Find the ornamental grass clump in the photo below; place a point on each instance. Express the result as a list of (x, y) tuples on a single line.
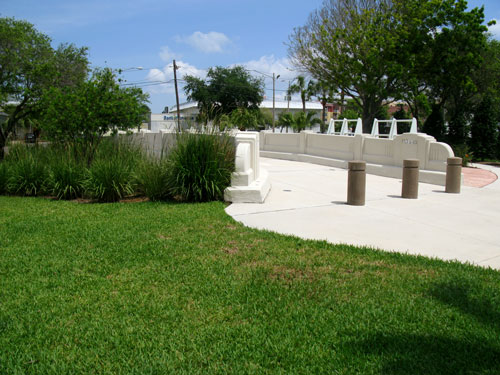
[(152, 179), (67, 170), (110, 176), (109, 180), (200, 166), (66, 179), (27, 176)]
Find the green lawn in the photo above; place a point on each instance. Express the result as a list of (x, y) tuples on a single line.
[(147, 288)]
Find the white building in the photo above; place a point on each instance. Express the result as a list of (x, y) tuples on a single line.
[(190, 110)]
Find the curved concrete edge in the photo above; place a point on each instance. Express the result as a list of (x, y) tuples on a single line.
[(256, 192), (425, 176), (308, 201)]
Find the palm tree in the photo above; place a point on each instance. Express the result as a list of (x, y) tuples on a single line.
[(303, 120), (306, 90), (285, 119)]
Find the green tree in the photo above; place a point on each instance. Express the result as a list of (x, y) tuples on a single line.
[(484, 128), (434, 124), (265, 117), (351, 44), (303, 120), (401, 113), (285, 120), (305, 89), (380, 49), (298, 121), (456, 55), (325, 94), (90, 110), (224, 90), (244, 118), (351, 110), (29, 66)]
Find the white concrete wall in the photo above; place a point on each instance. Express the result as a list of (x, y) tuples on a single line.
[(383, 156), (249, 183)]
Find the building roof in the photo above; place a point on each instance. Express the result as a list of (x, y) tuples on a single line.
[(294, 104), (279, 104)]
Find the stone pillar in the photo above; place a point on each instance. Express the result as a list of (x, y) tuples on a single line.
[(410, 179), (356, 183), (453, 175)]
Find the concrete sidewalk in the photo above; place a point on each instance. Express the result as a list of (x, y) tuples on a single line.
[(308, 201)]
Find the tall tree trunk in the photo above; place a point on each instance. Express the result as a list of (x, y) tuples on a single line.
[(370, 109), (5, 132)]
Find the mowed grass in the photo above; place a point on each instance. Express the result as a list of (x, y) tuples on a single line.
[(150, 288)]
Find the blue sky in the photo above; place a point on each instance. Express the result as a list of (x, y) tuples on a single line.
[(197, 33)]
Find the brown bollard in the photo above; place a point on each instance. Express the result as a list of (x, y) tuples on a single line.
[(356, 183), (454, 175), (410, 179)]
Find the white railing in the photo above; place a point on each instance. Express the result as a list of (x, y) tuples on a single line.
[(394, 127), (346, 130)]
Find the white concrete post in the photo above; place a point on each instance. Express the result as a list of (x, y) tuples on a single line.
[(375, 132), (394, 129), (359, 127), (331, 127), (345, 128), (414, 129)]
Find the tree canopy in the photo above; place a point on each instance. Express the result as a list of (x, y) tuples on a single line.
[(29, 65), (374, 50), (224, 90), (91, 109), (306, 89)]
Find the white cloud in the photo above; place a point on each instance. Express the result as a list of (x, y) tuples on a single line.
[(270, 65), (166, 54), (212, 42), (495, 29)]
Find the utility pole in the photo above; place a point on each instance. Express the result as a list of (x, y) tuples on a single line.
[(274, 81), (177, 99), (288, 98), (274, 97)]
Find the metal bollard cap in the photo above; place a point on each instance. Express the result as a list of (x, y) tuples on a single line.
[(411, 163), (454, 161), (357, 165)]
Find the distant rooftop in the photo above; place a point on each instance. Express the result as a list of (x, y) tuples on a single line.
[(279, 104)]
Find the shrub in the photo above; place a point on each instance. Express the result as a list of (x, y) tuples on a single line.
[(462, 151), (200, 166), (152, 179), (27, 176), (66, 179)]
